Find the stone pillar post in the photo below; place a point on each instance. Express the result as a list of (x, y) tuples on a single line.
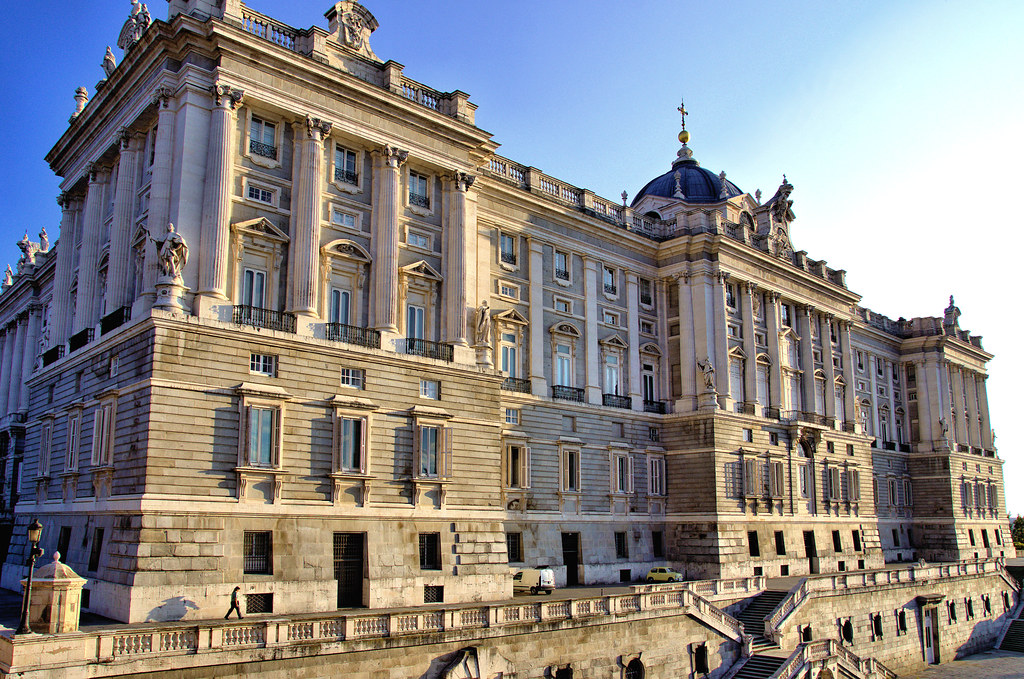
[(803, 320), (384, 286), (15, 381), (216, 229), (849, 375), (458, 259), (592, 353), (873, 365), (633, 337), (829, 367), (718, 335), (121, 226), (687, 351), (85, 300), (538, 338), (771, 315), (985, 424), (28, 360), (664, 378), (747, 292), (62, 301), (7, 381), (305, 243), (159, 189), (938, 392), (957, 405), (973, 425)]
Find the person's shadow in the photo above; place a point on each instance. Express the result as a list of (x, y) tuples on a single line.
[(172, 609)]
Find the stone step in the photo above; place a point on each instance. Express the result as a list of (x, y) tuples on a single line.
[(759, 667)]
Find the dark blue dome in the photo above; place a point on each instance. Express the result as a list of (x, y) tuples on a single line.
[(697, 184)]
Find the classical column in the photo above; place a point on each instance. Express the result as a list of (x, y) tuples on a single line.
[(15, 381), (28, 360), (457, 258), (633, 337), (830, 368), (958, 405), (718, 335), (121, 226), (771, 315), (873, 363), (687, 351), (849, 376), (938, 393), (216, 229), (159, 187), (972, 407), (747, 291), (538, 338), (85, 300), (803, 320), (62, 302), (305, 243), (985, 424), (593, 353), (664, 378), (8, 384), (384, 289)]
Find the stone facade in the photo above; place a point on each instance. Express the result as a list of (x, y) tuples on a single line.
[(376, 364)]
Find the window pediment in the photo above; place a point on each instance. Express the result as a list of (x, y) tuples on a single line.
[(565, 329), (262, 391), (426, 412), (348, 249), (736, 352), (260, 227), (422, 270), (511, 316), (613, 342), (344, 401), (650, 348)]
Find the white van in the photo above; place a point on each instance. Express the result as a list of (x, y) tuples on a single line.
[(534, 580)]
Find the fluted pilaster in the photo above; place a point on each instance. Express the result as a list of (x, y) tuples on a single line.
[(15, 380), (747, 292), (771, 311), (804, 319), (62, 301), (159, 185), (593, 351), (458, 226), (829, 366), (85, 300), (121, 226), (28, 359), (384, 292), (538, 338), (846, 350), (687, 350), (633, 337), (7, 383), (305, 244), (719, 339)]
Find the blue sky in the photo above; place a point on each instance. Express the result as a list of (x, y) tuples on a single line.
[(898, 123)]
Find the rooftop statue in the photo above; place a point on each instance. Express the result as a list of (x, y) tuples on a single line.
[(109, 63), (951, 316), (136, 24), (28, 253)]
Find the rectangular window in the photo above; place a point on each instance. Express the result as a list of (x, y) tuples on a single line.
[(753, 544), (893, 499), (45, 447), (96, 550), (561, 265), (74, 435), (622, 471), (257, 552), (853, 479), (434, 444), (563, 306), (64, 543), (646, 296), (646, 327), (418, 240), (261, 194), (610, 318), (509, 355), (507, 248), (345, 166), (856, 540), (414, 322), (262, 436), (784, 308), (261, 132), (730, 295), (896, 538), (837, 542), (805, 481), (514, 544), (609, 281), (833, 484), (571, 470), (263, 364), (418, 195), (621, 545), (517, 466), (611, 374), (343, 219), (506, 289), (658, 544), (430, 389), (103, 434), (353, 378), (253, 288), (563, 365), (351, 451), (780, 543), (430, 551), (777, 479), (648, 385), (340, 308), (656, 475), (970, 536), (511, 416)]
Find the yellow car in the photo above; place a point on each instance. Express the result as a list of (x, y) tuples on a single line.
[(664, 575)]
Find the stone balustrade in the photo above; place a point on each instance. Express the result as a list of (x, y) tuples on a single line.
[(806, 655)]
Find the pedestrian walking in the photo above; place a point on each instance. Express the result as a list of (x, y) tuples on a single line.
[(234, 604)]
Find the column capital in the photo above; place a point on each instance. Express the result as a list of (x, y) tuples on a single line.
[(124, 138), (226, 96), (162, 97), (828, 316), (393, 156), (807, 309), (722, 277), (317, 129), (772, 297), (749, 287), (64, 200), (463, 180), (92, 171)]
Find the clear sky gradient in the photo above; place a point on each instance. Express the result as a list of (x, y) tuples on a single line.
[(898, 123)]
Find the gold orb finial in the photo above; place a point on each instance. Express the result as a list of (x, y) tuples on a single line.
[(684, 136)]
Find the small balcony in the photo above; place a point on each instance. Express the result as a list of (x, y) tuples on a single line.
[(904, 447), (419, 200), (260, 149), (654, 407), (428, 349), (616, 401), (115, 319), (350, 334), (259, 317), (574, 394), (53, 354), (517, 384), (508, 258), (346, 176), (645, 298), (889, 445), (611, 289), (80, 339), (562, 274)]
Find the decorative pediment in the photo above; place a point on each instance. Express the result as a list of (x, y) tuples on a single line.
[(422, 270), (613, 342), (736, 352), (819, 374), (789, 333), (260, 227), (348, 249), (764, 358), (565, 329), (840, 382), (650, 348), (511, 316)]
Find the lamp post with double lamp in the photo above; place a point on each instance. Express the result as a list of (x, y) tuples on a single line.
[(35, 530)]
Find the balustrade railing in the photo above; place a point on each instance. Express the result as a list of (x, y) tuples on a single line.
[(80, 339), (115, 319), (574, 394), (351, 334), (428, 349), (264, 27), (616, 401), (518, 384), (421, 94), (259, 317)]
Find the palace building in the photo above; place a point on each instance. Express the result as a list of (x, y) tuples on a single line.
[(373, 363)]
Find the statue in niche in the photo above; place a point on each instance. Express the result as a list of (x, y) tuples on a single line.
[(109, 63), (483, 324), (171, 253), (708, 371)]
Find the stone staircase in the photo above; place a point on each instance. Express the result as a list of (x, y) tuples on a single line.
[(759, 667), (753, 616), (1014, 638)]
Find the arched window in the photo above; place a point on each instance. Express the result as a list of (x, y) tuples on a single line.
[(634, 670)]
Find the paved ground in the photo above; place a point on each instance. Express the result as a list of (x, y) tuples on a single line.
[(987, 665)]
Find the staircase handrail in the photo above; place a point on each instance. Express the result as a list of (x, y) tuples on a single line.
[(714, 617), (796, 596), (822, 649)]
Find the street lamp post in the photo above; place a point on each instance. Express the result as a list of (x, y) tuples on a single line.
[(35, 530)]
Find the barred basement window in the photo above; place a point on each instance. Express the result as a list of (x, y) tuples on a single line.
[(621, 545), (430, 551), (262, 602), (257, 552), (433, 594), (514, 544)]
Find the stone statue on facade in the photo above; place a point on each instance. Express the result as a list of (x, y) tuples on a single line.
[(44, 241), (951, 316), (136, 24), (28, 253), (483, 324), (8, 277), (172, 253), (708, 372), (782, 204), (109, 63), (944, 426)]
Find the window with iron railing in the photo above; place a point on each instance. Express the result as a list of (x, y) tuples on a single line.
[(262, 138), (418, 190), (257, 552), (345, 166)]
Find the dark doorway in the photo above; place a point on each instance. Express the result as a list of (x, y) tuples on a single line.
[(811, 550), (348, 568), (571, 558)]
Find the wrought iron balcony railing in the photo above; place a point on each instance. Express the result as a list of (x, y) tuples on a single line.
[(567, 393), (260, 149), (80, 339), (616, 401), (346, 176), (508, 258), (521, 385), (115, 319), (904, 447), (610, 289), (419, 200), (259, 317), (351, 334), (654, 407), (562, 274), (428, 349), (645, 298), (889, 445), (53, 354)]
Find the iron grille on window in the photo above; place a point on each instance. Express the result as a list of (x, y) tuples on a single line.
[(567, 393), (347, 176), (257, 552), (518, 384), (115, 319), (350, 334), (508, 257), (645, 298), (262, 602), (610, 288), (433, 594), (430, 551), (514, 542), (428, 349), (260, 149), (562, 274), (258, 317), (419, 200)]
